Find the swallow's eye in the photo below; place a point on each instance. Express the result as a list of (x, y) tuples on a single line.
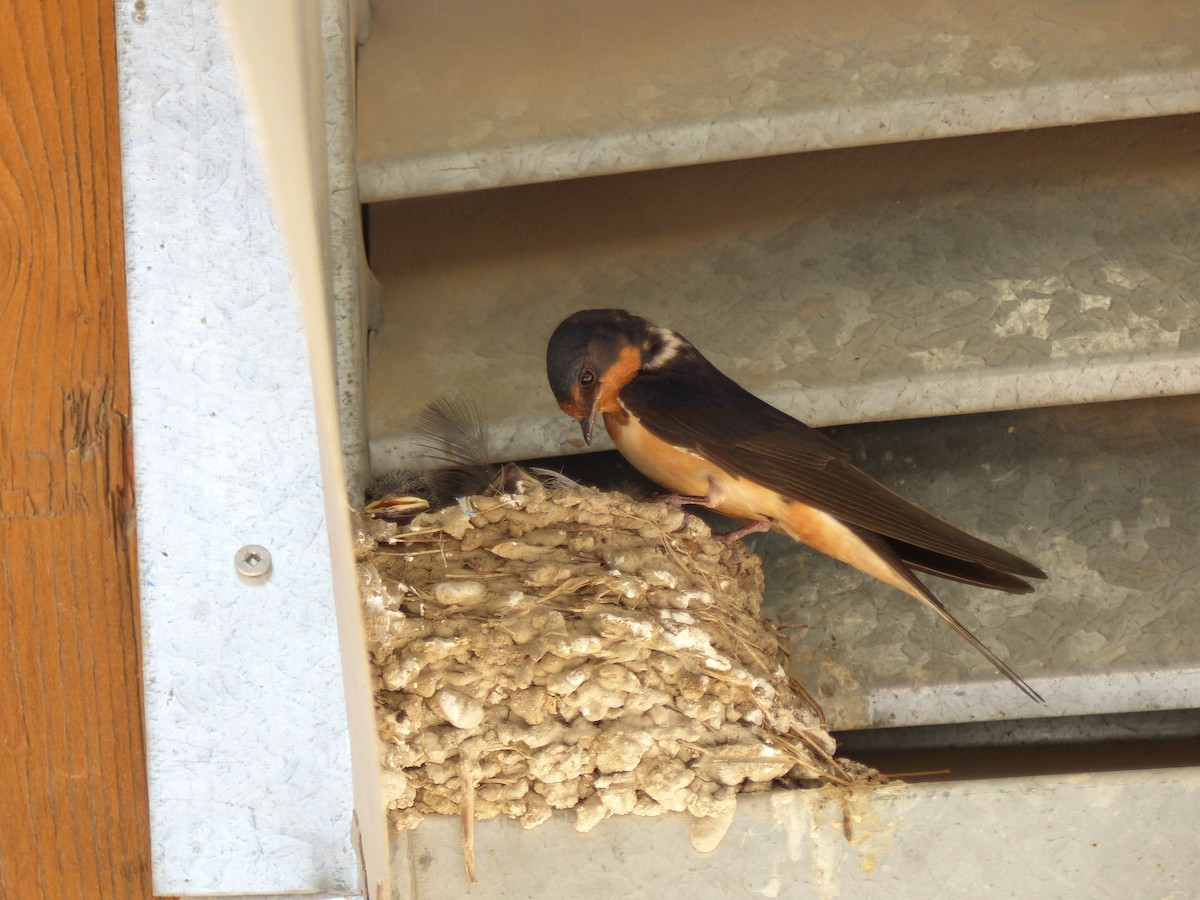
[(587, 376)]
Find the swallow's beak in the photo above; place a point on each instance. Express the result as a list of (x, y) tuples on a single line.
[(397, 506), (588, 423)]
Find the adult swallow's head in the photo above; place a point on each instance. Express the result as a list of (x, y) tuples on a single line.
[(596, 352)]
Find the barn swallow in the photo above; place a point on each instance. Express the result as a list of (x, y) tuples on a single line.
[(693, 430)]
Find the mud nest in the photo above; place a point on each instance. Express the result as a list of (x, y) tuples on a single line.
[(573, 649)]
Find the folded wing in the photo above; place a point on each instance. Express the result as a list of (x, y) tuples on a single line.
[(751, 438)]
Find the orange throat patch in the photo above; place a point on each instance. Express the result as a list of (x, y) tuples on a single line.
[(628, 364)]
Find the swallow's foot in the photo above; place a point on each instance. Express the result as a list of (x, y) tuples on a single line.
[(730, 538), (679, 501)]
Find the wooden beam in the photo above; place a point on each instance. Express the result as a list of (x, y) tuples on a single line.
[(72, 751)]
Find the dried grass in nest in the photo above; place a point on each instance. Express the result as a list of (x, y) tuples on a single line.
[(572, 649)]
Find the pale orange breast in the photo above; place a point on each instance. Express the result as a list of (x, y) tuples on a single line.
[(690, 474), (674, 469)]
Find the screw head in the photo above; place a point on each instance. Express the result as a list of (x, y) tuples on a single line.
[(252, 561)]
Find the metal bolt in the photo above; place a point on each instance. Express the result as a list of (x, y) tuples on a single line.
[(252, 561)]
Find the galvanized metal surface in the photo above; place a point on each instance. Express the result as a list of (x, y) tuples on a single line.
[(352, 281), (249, 760), (1116, 835), (1105, 497), (942, 277), (459, 96)]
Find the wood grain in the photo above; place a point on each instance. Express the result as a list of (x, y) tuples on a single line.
[(72, 758)]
